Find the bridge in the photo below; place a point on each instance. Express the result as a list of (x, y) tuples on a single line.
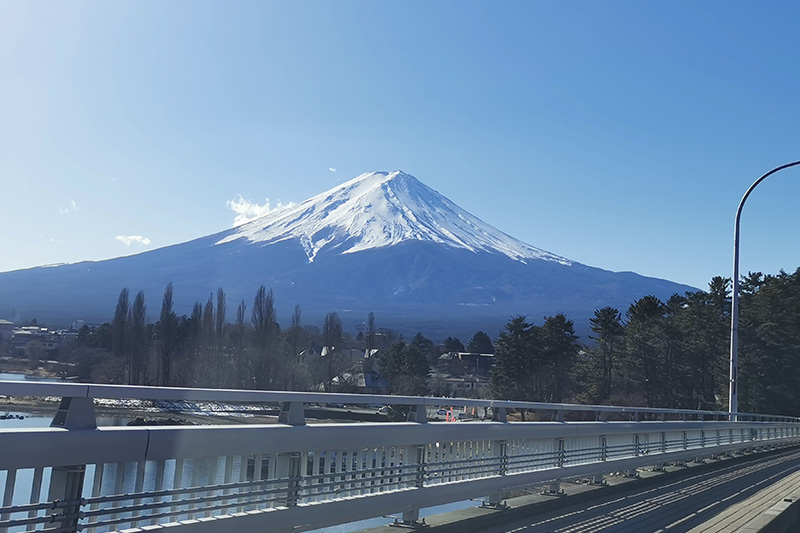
[(294, 475)]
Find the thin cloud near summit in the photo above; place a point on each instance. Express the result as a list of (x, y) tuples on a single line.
[(127, 240), (247, 210)]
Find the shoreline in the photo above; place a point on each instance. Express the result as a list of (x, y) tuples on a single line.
[(41, 407)]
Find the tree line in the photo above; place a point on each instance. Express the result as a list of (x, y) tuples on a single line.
[(204, 349), (672, 354), (655, 353)]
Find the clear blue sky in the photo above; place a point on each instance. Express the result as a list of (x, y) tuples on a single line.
[(619, 134)]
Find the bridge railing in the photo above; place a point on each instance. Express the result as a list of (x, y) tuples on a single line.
[(294, 476)]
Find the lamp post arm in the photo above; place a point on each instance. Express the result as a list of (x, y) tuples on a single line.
[(733, 396)]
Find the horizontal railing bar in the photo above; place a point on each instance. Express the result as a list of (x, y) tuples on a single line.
[(399, 477), (188, 501), (26, 521), (461, 471), (36, 507), (21, 388), (371, 470), (189, 490), (464, 461), (156, 516)]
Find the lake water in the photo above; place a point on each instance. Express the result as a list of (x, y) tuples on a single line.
[(40, 420)]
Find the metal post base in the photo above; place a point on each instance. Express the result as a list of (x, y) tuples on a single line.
[(497, 506), (413, 524), (553, 489)]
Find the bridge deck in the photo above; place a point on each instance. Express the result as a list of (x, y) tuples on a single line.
[(729, 496)]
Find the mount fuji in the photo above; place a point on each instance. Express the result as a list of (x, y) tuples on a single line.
[(382, 242)]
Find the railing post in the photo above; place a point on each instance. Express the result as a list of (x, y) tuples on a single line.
[(662, 446), (66, 488), (75, 413), (418, 413), (634, 472), (292, 413), (411, 516), (287, 466), (598, 479), (554, 488), (561, 455), (66, 482), (500, 454)]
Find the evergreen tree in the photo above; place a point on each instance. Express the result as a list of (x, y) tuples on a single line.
[(769, 343), (194, 353), (208, 330), (137, 369), (167, 336), (452, 344), (425, 346), (265, 332), (559, 347), (608, 334), (512, 376), (243, 368), (480, 343), (645, 381), (219, 319), (406, 368), (296, 331), (119, 326), (370, 334), (332, 341)]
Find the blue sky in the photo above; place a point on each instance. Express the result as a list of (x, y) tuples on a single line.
[(619, 134)]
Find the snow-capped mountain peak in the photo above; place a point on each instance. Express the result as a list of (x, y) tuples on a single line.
[(380, 209)]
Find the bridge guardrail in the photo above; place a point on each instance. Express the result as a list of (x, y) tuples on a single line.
[(297, 476)]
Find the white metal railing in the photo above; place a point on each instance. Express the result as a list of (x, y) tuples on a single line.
[(293, 476)]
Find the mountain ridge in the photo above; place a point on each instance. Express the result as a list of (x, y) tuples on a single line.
[(353, 249)]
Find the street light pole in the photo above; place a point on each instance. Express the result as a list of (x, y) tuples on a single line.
[(733, 396)]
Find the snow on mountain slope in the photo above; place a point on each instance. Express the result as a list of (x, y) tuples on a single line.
[(382, 209)]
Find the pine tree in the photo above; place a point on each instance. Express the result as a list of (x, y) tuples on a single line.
[(119, 326), (167, 336), (480, 343), (608, 334), (559, 348), (265, 331), (645, 353), (452, 344), (370, 335), (219, 321), (137, 369), (512, 376), (406, 368)]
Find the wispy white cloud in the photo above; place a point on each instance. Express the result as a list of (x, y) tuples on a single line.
[(247, 210), (51, 240), (332, 169), (127, 240), (71, 208)]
